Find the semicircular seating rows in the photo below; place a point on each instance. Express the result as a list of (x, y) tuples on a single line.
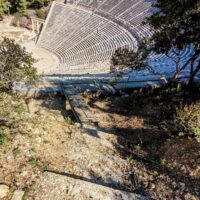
[(84, 34)]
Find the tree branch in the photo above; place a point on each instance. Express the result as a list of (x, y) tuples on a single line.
[(156, 73)]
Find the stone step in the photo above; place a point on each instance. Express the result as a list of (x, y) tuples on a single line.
[(77, 102), (4, 190), (18, 195), (54, 186), (80, 108), (92, 87)]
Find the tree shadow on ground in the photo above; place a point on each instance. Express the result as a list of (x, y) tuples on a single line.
[(94, 179), (154, 108), (150, 158)]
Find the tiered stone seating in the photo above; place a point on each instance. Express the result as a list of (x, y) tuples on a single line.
[(127, 12), (84, 34), (81, 38)]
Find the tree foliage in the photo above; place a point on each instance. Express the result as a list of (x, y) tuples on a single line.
[(15, 64), (133, 59), (176, 26), (38, 4), (21, 6), (136, 59), (4, 7), (40, 13)]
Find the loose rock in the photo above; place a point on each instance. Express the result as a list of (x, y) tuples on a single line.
[(18, 195), (4, 189)]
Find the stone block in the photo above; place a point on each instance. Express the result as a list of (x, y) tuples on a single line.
[(18, 195), (4, 189)]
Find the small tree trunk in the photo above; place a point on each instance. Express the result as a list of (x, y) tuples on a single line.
[(192, 68), (174, 77), (160, 76), (193, 74)]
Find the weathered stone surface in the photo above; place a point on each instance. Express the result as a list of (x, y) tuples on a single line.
[(4, 189), (54, 186), (80, 108), (18, 195)]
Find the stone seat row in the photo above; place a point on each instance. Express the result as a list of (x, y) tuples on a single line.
[(94, 38)]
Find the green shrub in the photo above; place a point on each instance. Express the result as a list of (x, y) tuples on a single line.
[(40, 14), (19, 66), (37, 4), (4, 7), (187, 119), (68, 120), (3, 138), (12, 107), (22, 7)]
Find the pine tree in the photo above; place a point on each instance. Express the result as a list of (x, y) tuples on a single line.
[(21, 7), (176, 24), (4, 7), (38, 4)]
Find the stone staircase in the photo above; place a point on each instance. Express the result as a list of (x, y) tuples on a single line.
[(78, 103)]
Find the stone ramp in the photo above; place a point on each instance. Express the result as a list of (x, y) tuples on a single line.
[(81, 109), (60, 187), (78, 104)]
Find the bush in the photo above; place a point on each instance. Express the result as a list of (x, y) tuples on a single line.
[(187, 119), (4, 7), (12, 108), (37, 4), (40, 14), (19, 66), (3, 138)]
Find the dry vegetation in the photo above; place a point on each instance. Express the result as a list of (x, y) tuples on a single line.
[(32, 142)]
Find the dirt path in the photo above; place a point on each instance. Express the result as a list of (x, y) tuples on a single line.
[(93, 170)]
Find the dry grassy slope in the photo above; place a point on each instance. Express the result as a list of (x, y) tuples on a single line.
[(49, 142), (163, 166), (34, 144)]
